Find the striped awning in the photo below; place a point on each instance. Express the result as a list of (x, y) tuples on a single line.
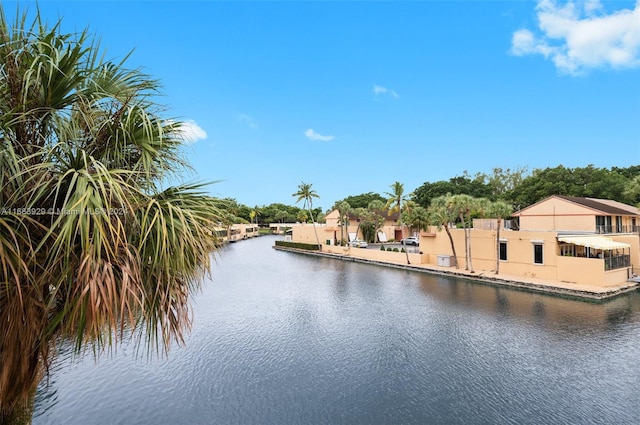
[(596, 242)]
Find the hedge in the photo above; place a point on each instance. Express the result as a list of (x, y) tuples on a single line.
[(298, 245)]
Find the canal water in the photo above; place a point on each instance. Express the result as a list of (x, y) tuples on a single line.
[(283, 338)]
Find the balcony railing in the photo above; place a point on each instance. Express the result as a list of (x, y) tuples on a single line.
[(617, 262), (602, 229)]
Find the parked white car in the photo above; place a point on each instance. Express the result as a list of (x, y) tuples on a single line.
[(357, 243), (411, 240)]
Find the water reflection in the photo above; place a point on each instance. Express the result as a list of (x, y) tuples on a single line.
[(524, 305), (281, 338)]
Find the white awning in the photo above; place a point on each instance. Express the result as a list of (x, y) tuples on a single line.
[(597, 242)]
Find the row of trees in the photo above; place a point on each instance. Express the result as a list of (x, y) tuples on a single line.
[(264, 215), (515, 187), (521, 188), (442, 212)]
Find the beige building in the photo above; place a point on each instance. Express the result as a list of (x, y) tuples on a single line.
[(562, 240), (390, 230), (236, 232)]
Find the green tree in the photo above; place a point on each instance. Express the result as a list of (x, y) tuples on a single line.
[(306, 194), (279, 213), (395, 203), (280, 216), (302, 216), (363, 200), (344, 209), (632, 190), (360, 214), (254, 214), (586, 181), (93, 245), (503, 180), (465, 184), (376, 207), (417, 218)]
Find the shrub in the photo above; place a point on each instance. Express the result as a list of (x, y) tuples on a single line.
[(382, 248), (389, 249), (396, 250), (402, 250), (307, 246)]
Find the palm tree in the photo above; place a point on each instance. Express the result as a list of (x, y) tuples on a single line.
[(418, 218), (360, 214), (499, 210), (441, 213), (343, 213), (376, 206), (463, 205), (280, 216), (306, 193), (254, 214), (93, 245), (395, 203), (481, 206)]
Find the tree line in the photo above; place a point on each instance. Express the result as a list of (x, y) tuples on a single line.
[(518, 188), (521, 188)]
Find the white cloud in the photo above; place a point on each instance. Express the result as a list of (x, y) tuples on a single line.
[(312, 135), (383, 90), (246, 119), (192, 132), (578, 38)]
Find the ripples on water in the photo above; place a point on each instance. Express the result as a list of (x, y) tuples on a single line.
[(282, 338)]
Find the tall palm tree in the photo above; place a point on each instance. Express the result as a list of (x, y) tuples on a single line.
[(499, 210), (417, 218), (93, 245), (463, 204), (376, 206), (344, 209), (306, 193), (360, 214), (442, 214), (395, 203), (254, 214)]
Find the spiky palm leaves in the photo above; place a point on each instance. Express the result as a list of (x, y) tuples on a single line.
[(306, 193), (395, 203), (90, 245)]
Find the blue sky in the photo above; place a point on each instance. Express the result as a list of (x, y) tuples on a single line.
[(352, 96)]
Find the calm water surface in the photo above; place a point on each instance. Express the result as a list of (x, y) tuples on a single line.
[(282, 338)]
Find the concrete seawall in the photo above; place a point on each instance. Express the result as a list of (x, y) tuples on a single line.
[(585, 292)]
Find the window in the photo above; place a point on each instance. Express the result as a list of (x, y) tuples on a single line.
[(603, 224), (568, 250), (537, 253), (503, 251)]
